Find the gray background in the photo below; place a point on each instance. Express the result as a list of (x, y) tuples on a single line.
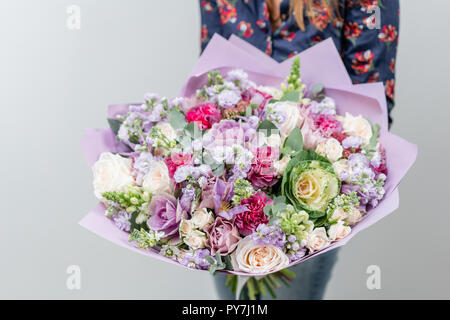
[(56, 82)]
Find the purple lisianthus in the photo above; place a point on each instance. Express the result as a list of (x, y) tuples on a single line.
[(227, 133), (163, 214), (222, 194)]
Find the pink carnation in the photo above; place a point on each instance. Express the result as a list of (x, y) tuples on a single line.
[(204, 115), (248, 221), (177, 160), (327, 124), (262, 173)]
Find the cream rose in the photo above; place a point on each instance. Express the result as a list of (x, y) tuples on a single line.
[(202, 218), (186, 227), (112, 172), (357, 126), (157, 179), (338, 214), (338, 231), (167, 130), (195, 239), (281, 165), (353, 217), (331, 149), (341, 166), (317, 240), (293, 117), (252, 257), (274, 140)]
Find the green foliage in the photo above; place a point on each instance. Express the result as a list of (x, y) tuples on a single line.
[(293, 143), (145, 239), (177, 119), (216, 264), (262, 286), (130, 200), (242, 190), (114, 124)]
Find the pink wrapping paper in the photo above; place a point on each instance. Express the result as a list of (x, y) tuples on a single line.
[(321, 63)]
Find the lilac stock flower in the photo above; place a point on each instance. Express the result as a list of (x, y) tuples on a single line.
[(238, 76), (122, 220), (163, 214), (196, 259), (351, 142), (188, 195), (141, 165), (222, 194), (228, 98), (327, 106), (184, 172), (227, 133), (269, 235)]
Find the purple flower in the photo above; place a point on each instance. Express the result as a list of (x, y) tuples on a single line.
[(163, 214), (196, 259), (188, 195), (222, 194), (228, 98), (271, 235), (351, 142), (122, 220), (227, 133)]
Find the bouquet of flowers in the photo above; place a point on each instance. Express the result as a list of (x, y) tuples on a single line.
[(246, 172)]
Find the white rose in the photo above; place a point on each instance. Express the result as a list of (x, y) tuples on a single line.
[(293, 117), (341, 166), (274, 92), (167, 130), (195, 239), (157, 179), (186, 227), (253, 257), (112, 172), (317, 240), (357, 126), (281, 165), (338, 214), (353, 217), (202, 218), (338, 231), (331, 149)]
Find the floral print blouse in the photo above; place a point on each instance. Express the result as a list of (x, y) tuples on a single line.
[(368, 47)]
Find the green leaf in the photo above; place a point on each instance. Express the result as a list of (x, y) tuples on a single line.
[(294, 142), (193, 130), (219, 170), (267, 125), (375, 134), (317, 89), (293, 96), (177, 119), (114, 124)]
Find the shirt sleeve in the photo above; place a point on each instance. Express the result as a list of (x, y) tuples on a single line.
[(210, 20), (370, 41)]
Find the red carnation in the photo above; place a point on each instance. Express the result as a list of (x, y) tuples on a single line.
[(204, 115), (248, 221)]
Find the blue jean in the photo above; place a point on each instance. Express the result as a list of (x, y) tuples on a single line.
[(309, 284)]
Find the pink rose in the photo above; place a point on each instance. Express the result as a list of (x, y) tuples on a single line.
[(262, 173), (223, 237), (204, 115), (311, 134)]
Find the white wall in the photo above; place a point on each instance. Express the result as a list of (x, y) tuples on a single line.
[(55, 82)]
